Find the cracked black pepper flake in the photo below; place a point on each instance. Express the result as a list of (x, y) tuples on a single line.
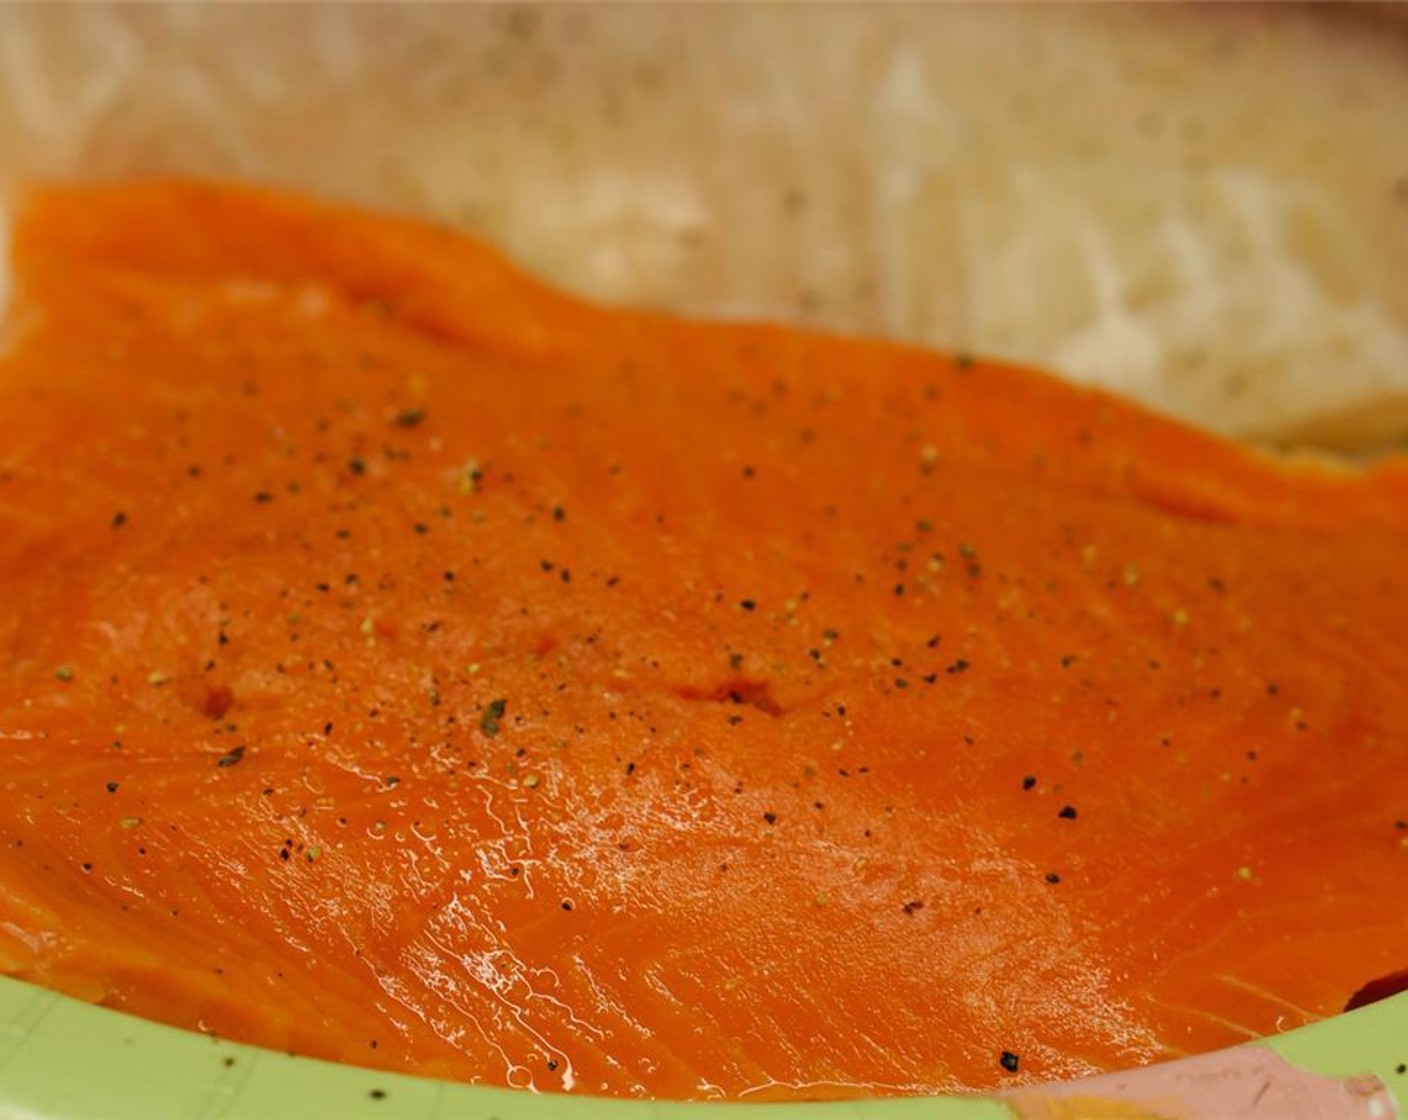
[(263, 497), (225, 761), (1029, 782), (913, 906), (377, 1094), (489, 721), (1052, 878), (119, 519), (748, 604), (771, 818), (409, 417), (1009, 1061), (959, 666), (112, 787), (1067, 813)]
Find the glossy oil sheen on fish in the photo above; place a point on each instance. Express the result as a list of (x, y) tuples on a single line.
[(404, 664)]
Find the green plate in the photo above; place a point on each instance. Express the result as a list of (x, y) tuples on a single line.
[(61, 1059)]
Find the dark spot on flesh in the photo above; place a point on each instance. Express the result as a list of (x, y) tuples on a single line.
[(218, 701)]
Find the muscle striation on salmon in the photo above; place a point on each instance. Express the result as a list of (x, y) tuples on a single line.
[(404, 664)]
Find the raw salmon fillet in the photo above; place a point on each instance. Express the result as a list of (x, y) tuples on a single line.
[(403, 664)]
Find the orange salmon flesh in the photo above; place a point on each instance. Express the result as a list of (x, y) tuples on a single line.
[(404, 664)]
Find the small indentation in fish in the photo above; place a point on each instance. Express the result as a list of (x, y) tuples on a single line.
[(739, 690)]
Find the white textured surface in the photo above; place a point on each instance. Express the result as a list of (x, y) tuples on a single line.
[(1203, 208)]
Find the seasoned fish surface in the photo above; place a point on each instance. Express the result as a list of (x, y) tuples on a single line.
[(407, 665)]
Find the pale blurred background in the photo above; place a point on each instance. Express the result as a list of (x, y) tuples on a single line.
[(1205, 208)]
